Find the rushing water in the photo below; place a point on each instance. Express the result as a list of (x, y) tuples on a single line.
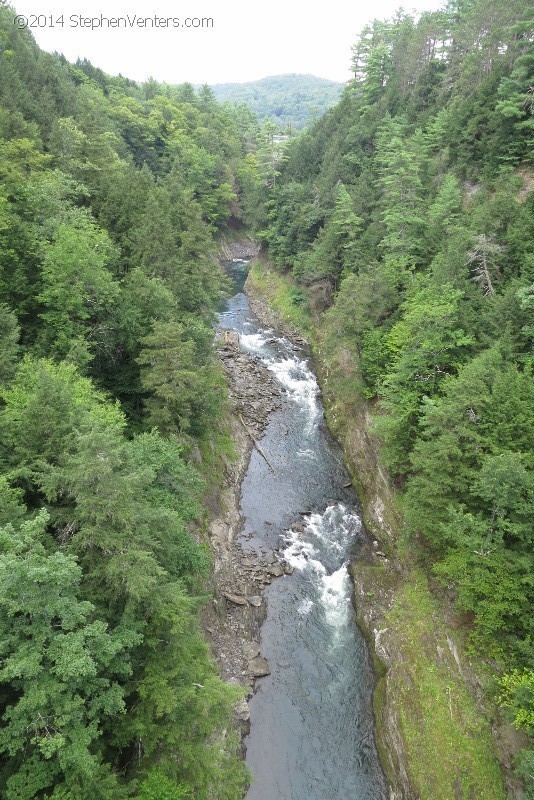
[(311, 735)]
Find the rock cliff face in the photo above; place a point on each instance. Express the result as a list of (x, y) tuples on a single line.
[(244, 249), (375, 581)]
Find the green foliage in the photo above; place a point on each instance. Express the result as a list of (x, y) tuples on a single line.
[(78, 289), (406, 215), (375, 357), (185, 388), (335, 249), (9, 336), (515, 89), (157, 787), (524, 764), (122, 508), (111, 196), (424, 345), (61, 671), (401, 164), (365, 300), (517, 694), (436, 711), (289, 101), (11, 506)]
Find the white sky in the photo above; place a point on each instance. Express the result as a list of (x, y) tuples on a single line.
[(248, 40)]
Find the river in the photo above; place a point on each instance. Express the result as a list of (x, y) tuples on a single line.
[(311, 734)]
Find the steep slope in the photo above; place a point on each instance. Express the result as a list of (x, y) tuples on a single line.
[(403, 221), (112, 417)]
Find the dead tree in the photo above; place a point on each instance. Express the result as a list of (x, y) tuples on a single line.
[(483, 260)]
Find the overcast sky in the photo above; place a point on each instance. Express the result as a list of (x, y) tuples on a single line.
[(248, 40)]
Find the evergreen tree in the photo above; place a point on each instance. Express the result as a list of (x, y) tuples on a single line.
[(61, 673)]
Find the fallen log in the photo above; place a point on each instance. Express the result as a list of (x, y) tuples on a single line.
[(256, 443)]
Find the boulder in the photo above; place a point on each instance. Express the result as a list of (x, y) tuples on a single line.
[(255, 600), (242, 711), (237, 599), (231, 338), (259, 667), (251, 650), (276, 570)]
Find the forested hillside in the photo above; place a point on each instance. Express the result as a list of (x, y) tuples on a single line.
[(111, 195), (406, 217), (403, 220), (290, 101)]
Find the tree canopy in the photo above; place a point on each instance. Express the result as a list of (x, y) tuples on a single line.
[(112, 195), (406, 213)]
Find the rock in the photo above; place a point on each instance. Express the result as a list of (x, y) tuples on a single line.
[(288, 569), (242, 711), (255, 600), (251, 650), (231, 338), (237, 599), (259, 667), (298, 527), (270, 558), (276, 570), (283, 664), (347, 485), (242, 250)]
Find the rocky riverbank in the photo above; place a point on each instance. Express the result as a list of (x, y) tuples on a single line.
[(233, 619)]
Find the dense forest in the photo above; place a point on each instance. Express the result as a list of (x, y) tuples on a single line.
[(112, 195), (404, 218), (292, 102)]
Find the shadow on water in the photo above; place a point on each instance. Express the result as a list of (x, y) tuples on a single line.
[(311, 735)]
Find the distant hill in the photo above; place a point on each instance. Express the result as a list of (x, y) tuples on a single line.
[(287, 100)]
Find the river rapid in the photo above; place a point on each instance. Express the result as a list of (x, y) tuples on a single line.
[(311, 722)]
